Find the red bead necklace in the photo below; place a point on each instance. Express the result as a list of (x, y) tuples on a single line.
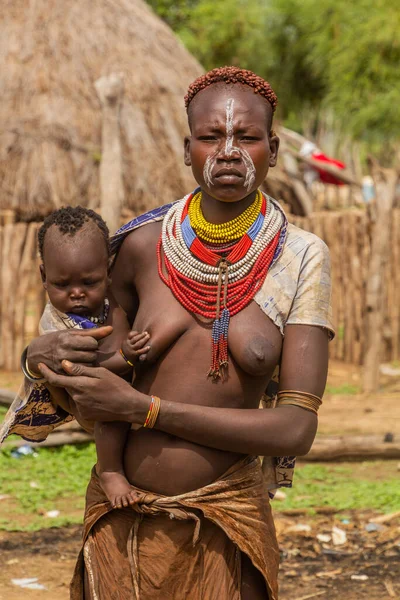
[(225, 299)]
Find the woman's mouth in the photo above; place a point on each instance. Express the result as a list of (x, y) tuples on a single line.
[(228, 176)]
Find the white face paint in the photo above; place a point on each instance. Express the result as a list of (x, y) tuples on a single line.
[(208, 168), (229, 150), (229, 127)]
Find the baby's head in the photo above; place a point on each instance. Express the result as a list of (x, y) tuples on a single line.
[(75, 251)]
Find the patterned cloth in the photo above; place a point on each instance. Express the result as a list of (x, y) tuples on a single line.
[(32, 414)]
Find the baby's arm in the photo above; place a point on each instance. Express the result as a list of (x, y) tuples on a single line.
[(132, 343)]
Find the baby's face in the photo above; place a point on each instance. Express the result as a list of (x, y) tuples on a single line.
[(75, 273)]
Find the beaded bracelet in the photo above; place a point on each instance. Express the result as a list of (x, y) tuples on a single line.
[(154, 410), (32, 377), (126, 359)]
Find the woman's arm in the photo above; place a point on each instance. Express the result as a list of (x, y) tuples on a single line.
[(286, 430), (289, 430)]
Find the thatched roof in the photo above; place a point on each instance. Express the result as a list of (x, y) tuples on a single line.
[(51, 54)]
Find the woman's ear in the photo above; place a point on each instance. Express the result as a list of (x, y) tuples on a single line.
[(43, 276), (274, 148), (186, 149)]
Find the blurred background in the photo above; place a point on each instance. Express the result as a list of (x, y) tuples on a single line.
[(92, 113)]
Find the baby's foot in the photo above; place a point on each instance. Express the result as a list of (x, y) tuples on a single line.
[(118, 489)]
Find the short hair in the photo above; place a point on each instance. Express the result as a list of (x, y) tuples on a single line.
[(231, 75), (70, 220)]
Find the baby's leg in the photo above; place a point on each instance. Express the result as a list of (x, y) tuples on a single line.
[(110, 443)]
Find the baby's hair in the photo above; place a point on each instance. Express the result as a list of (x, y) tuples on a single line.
[(230, 75), (70, 220)]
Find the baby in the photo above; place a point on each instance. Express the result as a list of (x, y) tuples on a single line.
[(75, 270)]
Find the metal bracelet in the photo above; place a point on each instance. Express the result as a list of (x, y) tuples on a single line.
[(25, 369)]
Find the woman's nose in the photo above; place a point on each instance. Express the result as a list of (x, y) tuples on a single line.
[(229, 153)]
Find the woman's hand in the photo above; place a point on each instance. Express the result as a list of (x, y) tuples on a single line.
[(76, 345), (99, 395)]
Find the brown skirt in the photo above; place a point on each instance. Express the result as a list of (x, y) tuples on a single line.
[(180, 547)]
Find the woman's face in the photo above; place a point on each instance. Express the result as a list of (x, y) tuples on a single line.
[(230, 148)]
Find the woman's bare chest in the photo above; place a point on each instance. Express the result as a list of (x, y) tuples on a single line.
[(254, 342)]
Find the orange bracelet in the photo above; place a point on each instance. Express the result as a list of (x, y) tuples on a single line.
[(153, 412)]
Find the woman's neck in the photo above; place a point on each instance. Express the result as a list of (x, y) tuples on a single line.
[(217, 211)]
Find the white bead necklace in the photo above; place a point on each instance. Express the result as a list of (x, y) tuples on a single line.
[(179, 255)]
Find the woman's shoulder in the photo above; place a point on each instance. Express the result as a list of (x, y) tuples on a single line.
[(146, 223), (300, 240)]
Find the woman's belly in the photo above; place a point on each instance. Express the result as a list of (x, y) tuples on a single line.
[(157, 462)]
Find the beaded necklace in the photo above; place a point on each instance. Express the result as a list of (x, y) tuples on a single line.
[(102, 318), (224, 232), (214, 286)]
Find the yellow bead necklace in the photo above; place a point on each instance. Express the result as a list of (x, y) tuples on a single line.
[(224, 232)]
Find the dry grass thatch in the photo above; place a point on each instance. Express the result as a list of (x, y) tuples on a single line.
[(51, 54)]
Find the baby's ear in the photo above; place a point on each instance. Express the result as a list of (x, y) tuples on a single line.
[(43, 276)]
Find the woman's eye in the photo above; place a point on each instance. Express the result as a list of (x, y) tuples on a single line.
[(208, 138), (248, 138)]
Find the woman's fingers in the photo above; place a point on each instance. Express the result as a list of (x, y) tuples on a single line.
[(76, 356), (82, 370), (98, 333), (54, 378)]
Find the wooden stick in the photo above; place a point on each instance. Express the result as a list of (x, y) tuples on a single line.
[(59, 439), (26, 266), (6, 397), (341, 174), (386, 182), (2, 307), (331, 448), (386, 518), (389, 588), (313, 595)]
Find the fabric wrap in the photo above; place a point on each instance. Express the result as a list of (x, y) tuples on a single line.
[(185, 546), (32, 414)]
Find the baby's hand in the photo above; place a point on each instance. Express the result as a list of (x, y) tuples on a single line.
[(135, 346)]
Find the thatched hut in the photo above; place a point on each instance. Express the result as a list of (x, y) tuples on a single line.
[(51, 54)]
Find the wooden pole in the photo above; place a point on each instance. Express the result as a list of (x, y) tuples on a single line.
[(2, 308), (110, 90), (292, 170), (385, 184), (27, 265), (341, 174), (353, 447)]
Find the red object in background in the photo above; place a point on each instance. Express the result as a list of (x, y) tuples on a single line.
[(323, 175)]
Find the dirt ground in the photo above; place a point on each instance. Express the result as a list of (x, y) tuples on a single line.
[(366, 565)]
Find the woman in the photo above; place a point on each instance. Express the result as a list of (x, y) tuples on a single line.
[(219, 274)]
